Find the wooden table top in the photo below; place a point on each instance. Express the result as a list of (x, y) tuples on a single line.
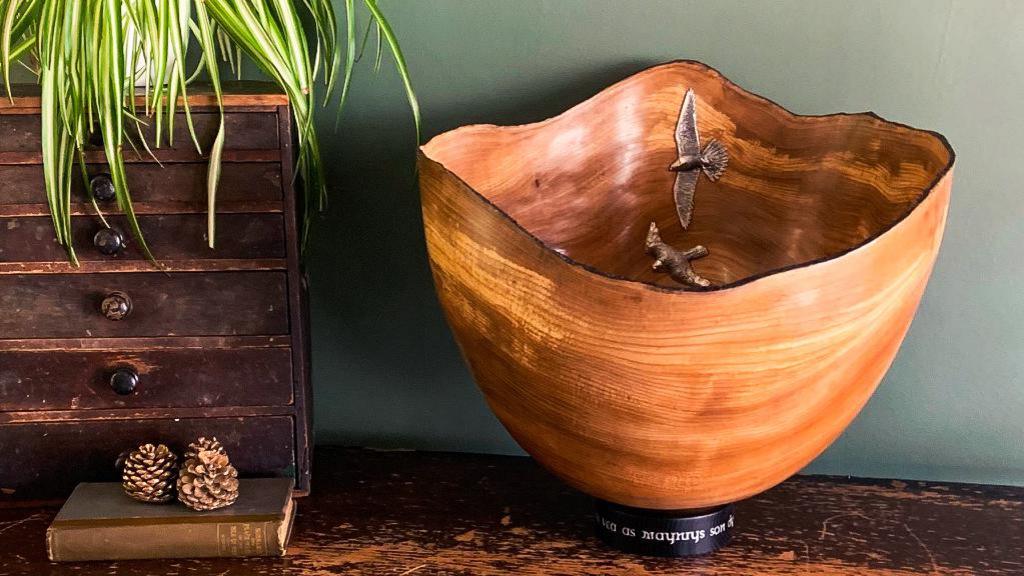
[(414, 513)]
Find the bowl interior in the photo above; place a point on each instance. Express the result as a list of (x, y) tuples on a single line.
[(798, 189)]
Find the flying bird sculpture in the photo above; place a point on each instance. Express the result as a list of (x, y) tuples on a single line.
[(712, 160), (691, 161)]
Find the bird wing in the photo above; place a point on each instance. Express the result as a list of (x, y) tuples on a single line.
[(685, 184), (687, 140)]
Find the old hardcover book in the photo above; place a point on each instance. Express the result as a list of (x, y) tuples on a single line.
[(99, 522)]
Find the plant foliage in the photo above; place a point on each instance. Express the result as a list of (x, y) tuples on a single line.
[(88, 56)]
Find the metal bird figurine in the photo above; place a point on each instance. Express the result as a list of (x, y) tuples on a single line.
[(676, 263), (688, 166), (692, 160)]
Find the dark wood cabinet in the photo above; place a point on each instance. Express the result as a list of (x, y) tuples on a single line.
[(45, 459), (118, 351), (247, 129), (162, 304), (175, 236)]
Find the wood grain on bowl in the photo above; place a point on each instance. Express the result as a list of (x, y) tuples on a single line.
[(822, 235)]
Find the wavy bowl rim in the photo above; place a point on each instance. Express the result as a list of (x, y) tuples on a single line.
[(943, 173)]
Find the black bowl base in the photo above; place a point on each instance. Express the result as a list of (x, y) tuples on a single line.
[(673, 533)]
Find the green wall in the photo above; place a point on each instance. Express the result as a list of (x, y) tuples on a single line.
[(386, 370)]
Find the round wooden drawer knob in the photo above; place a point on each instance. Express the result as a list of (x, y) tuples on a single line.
[(109, 241), (102, 188), (124, 381), (116, 306)]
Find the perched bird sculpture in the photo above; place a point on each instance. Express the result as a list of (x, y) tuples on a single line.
[(690, 163), (675, 262), (712, 160)]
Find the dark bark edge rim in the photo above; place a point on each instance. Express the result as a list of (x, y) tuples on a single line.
[(746, 279)]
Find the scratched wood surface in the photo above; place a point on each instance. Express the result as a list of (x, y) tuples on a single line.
[(243, 131), (173, 237), (404, 513), (151, 185), (164, 304), (184, 377), (86, 448), (238, 95)]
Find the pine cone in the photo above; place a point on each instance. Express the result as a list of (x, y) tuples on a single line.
[(207, 481), (201, 444), (149, 473)]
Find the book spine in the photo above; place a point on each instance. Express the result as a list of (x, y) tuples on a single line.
[(195, 540)]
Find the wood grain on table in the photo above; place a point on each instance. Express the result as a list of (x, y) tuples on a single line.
[(404, 513)]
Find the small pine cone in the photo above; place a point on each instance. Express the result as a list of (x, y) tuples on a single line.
[(201, 444), (208, 481), (149, 473)]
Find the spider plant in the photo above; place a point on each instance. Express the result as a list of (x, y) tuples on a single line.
[(88, 56)]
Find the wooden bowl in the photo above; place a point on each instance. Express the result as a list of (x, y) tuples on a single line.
[(636, 390)]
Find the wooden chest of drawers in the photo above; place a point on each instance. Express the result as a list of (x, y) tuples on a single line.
[(216, 341)]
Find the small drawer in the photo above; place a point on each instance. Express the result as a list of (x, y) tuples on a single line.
[(47, 459), (169, 184), (170, 237), (65, 380), (147, 304), (243, 131)]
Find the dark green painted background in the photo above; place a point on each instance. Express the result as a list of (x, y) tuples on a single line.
[(386, 370)]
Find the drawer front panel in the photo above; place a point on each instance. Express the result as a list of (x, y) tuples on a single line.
[(59, 380), (162, 304), (168, 184), (243, 131), (171, 237), (48, 459)]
